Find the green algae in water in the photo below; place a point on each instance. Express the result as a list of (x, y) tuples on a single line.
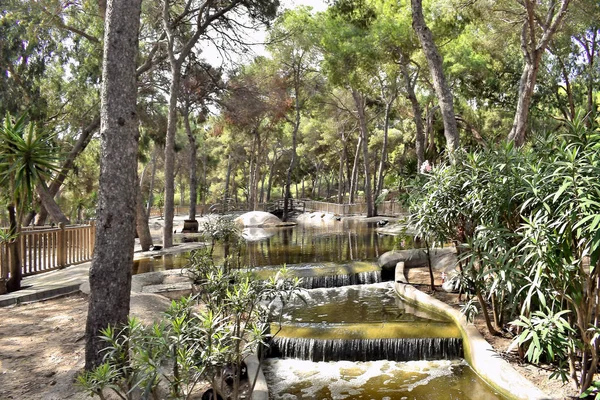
[(422, 380), (354, 304), (387, 330)]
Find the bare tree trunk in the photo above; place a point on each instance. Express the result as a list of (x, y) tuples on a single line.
[(169, 212), (110, 273), (435, 62), (360, 108), (533, 49), (14, 282), (341, 171), (354, 177), (141, 221), (417, 112), (204, 190), (383, 159), (84, 139), (193, 163), (227, 178), (290, 170), (50, 205), (526, 86), (151, 189)]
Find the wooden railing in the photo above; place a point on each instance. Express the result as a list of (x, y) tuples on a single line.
[(45, 249), (387, 208)]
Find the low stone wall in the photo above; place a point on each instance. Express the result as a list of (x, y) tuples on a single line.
[(477, 351)]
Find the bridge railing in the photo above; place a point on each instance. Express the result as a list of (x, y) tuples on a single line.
[(388, 208), (44, 249)]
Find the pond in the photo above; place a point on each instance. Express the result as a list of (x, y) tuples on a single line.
[(348, 342), (333, 242)]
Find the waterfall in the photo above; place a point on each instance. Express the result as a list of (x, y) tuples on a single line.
[(330, 281), (366, 349)]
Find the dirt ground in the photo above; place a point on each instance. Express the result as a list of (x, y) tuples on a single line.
[(42, 350)]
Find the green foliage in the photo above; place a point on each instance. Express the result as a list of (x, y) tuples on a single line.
[(526, 223), (560, 236), (27, 156), (545, 334), (193, 343)]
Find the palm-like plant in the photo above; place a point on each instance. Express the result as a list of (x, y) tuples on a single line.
[(27, 158)]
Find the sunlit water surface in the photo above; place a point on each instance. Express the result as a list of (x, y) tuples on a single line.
[(420, 380)]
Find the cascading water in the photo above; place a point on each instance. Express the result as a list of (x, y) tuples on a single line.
[(402, 349), (332, 281)]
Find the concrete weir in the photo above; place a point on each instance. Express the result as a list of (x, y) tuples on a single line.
[(477, 351)]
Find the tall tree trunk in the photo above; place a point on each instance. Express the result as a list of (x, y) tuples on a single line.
[(193, 163), (227, 178), (533, 49), (354, 177), (16, 274), (383, 159), (169, 212), (204, 188), (526, 86), (271, 169), (151, 189), (82, 141), (141, 221), (435, 63), (417, 112), (290, 170), (50, 205), (362, 118), (110, 273), (341, 170)]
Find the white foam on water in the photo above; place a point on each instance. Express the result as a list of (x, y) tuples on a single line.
[(345, 378)]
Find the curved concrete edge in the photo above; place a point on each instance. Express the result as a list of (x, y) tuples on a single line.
[(261, 390), (478, 352)]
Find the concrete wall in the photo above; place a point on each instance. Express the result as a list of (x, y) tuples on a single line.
[(478, 352)]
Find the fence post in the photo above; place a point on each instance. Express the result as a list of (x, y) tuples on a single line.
[(92, 239), (61, 248)]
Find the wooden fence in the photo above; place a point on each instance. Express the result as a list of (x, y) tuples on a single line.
[(44, 249), (387, 208)]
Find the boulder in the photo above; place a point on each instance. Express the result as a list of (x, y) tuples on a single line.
[(258, 219), (443, 259), (256, 234)]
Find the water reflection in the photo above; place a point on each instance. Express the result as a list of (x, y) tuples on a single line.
[(336, 241)]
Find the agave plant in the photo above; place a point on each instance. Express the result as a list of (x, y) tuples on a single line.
[(27, 157)]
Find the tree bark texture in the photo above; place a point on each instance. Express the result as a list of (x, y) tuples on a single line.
[(533, 49), (50, 205), (354, 173), (169, 212), (341, 185), (435, 63), (110, 273), (384, 151), (141, 221), (14, 282), (417, 113), (290, 170), (151, 188), (193, 168), (362, 119)]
